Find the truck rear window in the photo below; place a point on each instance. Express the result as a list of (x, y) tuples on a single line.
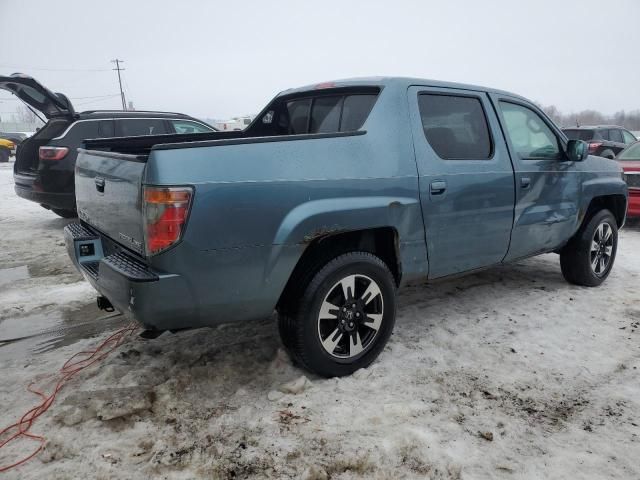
[(327, 114)]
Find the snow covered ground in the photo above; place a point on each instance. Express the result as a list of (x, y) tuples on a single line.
[(509, 373)]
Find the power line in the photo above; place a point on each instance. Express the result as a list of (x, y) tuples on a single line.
[(98, 100), (118, 69), (7, 99), (4, 65)]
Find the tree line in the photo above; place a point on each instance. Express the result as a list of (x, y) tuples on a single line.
[(629, 120)]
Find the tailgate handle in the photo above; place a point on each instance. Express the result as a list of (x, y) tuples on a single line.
[(100, 184)]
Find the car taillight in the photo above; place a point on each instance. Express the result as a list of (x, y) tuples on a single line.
[(165, 214), (593, 146), (53, 153)]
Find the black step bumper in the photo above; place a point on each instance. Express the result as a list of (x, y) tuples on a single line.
[(152, 298)]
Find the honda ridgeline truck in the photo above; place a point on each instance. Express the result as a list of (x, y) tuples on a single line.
[(334, 197)]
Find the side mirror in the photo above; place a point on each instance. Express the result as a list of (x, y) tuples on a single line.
[(577, 150)]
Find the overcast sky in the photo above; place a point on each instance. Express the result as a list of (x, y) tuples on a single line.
[(217, 59)]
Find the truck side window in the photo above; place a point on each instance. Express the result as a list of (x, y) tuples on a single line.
[(455, 126), (530, 136)]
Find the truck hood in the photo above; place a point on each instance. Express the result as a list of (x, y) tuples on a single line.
[(37, 96)]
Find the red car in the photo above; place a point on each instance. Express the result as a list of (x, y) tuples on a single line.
[(629, 160)]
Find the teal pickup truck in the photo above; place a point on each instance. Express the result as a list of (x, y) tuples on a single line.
[(335, 196)]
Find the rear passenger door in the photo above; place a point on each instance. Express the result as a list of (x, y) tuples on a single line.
[(465, 177)]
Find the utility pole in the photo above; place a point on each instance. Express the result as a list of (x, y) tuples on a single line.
[(118, 69)]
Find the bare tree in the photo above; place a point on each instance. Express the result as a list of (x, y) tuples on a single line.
[(24, 115), (629, 120)]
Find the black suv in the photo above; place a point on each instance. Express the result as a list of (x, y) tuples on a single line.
[(44, 167), (604, 140)]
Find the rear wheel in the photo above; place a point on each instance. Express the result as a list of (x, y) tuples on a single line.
[(588, 258), (65, 213), (344, 318), (4, 154)]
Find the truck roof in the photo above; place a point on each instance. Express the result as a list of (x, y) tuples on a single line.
[(396, 82), (130, 114)]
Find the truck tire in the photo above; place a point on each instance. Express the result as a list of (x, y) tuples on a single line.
[(65, 213), (4, 154), (588, 257), (344, 317)]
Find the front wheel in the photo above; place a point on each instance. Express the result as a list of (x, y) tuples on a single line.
[(344, 317), (4, 154), (588, 258)]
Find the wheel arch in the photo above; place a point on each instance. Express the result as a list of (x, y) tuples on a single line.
[(380, 241), (615, 203)]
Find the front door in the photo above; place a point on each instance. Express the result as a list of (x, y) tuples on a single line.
[(547, 185), (466, 179)]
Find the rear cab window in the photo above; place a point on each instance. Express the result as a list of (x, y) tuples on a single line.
[(328, 111)]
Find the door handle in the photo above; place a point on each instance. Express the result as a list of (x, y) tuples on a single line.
[(100, 184), (438, 187), (525, 182)]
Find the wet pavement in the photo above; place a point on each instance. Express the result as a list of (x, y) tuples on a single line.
[(50, 327)]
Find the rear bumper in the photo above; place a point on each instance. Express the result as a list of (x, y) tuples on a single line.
[(29, 188), (156, 300), (633, 210)]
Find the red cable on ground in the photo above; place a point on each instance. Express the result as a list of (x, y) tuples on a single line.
[(70, 368)]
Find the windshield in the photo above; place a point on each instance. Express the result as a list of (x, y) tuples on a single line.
[(578, 134), (631, 153)]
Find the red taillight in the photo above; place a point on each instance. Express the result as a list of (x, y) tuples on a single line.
[(53, 153), (165, 213), (593, 146)]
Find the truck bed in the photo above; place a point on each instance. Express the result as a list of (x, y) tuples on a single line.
[(142, 145)]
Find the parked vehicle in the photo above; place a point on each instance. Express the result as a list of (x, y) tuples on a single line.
[(237, 123), (629, 160), (335, 196), (604, 141), (15, 137), (7, 148), (45, 162)]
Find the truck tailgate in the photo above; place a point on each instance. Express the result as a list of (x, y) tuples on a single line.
[(109, 195)]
